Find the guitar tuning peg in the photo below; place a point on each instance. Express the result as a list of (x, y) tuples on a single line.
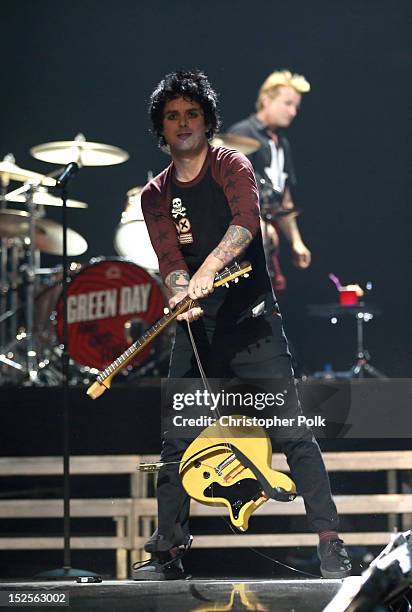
[(166, 310), (246, 275), (226, 285), (236, 280)]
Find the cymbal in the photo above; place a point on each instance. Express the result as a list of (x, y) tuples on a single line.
[(43, 198), (81, 151), (49, 239), (11, 172), (13, 223), (48, 233), (243, 144)]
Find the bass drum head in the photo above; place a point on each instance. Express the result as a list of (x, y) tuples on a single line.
[(104, 300), (132, 241)]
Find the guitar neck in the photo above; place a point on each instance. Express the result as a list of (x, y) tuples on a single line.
[(104, 378)]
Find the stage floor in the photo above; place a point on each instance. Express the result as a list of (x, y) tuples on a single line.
[(183, 595)]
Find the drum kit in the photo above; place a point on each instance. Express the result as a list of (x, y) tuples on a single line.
[(110, 301)]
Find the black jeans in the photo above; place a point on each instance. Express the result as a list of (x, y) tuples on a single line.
[(255, 349)]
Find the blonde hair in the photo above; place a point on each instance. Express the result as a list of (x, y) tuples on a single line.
[(277, 79)]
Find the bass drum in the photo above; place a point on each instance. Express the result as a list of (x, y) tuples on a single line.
[(132, 238), (110, 303)]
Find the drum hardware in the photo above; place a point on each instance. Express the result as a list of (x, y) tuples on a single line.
[(9, 171), (81, 151), (15, 281), (14, 225), (363, 313), (42, 198), (48, 233), (10, 283), (36, 233), (32, 263), (18, 224), (132, 238), (47, 239), (4, 245), (73, 155), (8, 221), (4, 289), (243, 144), (270, 200)]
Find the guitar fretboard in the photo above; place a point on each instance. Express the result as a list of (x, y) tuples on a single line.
[(140, 344)]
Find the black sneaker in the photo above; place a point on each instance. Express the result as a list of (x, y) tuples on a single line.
[(163, 565), (157, 569), (334, 560)]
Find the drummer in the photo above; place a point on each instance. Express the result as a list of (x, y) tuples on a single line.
[(278, 103)]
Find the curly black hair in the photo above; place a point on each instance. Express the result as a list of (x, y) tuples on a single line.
[(191, 85)]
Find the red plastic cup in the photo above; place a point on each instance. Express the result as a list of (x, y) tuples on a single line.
[(347, 297)]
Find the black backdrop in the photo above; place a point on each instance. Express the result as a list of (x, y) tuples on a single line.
[(89, 66)]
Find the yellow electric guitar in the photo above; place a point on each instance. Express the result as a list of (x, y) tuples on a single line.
[(104, 378), (231, 466)]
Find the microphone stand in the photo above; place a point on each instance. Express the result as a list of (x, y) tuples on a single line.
[(65, 389), (67, 572)]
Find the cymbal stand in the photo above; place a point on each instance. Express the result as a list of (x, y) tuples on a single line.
[(14, 285), (267, 217), (270, 211), (32, 365), (4, 285), (362, 365), (8, 317)]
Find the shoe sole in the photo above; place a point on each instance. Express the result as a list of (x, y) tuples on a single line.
[(335, 575), (154, 576), (160, 578)]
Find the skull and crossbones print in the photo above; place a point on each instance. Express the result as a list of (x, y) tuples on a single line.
[(183, 225)]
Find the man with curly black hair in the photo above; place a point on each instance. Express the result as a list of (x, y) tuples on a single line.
[(202, 212)]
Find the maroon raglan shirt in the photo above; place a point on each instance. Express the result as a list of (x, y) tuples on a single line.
[(186, 221)]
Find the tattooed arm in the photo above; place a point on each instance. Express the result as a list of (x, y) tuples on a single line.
[(177, 282), (234, 172), (233, 243)]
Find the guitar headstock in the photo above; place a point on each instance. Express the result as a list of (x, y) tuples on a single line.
[(232, 274)]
